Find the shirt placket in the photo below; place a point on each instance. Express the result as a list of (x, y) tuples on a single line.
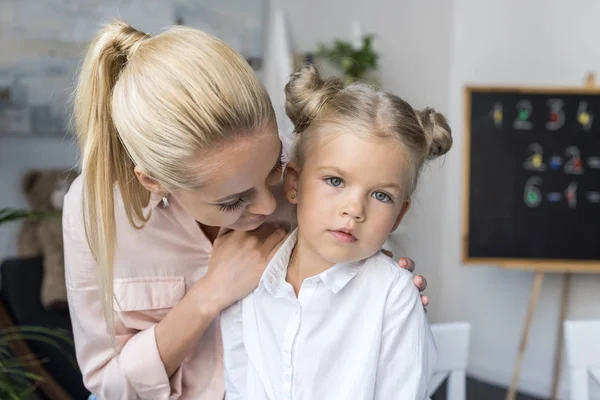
[(306, 291)]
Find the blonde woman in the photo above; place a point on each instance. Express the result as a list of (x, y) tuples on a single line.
[(165, 227)]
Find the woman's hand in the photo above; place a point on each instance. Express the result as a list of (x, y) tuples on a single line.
[(234, 270), (238, 261), (419, 280)]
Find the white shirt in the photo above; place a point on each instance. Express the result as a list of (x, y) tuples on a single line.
[(356, 331)]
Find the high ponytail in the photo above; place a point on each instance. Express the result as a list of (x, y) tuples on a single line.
[(105, 161)]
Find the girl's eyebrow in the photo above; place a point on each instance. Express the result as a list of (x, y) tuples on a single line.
[(331, 169)]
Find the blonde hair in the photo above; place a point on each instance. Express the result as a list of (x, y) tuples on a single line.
[(313, 102), (156, 103)]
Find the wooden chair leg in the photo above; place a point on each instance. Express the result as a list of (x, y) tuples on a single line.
[(48, 386)]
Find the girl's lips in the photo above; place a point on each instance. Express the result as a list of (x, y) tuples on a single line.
[(343, 237)]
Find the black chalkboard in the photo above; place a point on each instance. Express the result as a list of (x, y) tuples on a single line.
[(532, 175)]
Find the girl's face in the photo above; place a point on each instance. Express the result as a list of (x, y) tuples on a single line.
[(350, 195), (236, 182)]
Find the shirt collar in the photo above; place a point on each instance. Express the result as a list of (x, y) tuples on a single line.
[(276, 271), (334, 278), (338, 276)]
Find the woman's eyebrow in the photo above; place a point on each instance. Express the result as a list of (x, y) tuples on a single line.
[(234, 196), (246, 192)]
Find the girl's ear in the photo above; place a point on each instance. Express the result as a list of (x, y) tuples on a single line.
[(405, 208), (291, 176)]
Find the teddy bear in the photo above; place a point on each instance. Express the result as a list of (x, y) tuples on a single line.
[(45, 191)]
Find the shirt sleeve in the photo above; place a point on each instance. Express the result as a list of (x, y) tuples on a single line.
[(408, 354), (133, 368), (235, 358)]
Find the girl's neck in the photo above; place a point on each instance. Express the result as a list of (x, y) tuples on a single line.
[(305, 262)]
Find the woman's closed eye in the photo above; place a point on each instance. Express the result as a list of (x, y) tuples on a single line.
[(279, 165), (242, 200), (232, 206)]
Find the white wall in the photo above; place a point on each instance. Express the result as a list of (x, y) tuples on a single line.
[(511, 42)]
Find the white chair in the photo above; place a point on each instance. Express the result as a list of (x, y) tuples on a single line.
[(582, 346), (452, 341)]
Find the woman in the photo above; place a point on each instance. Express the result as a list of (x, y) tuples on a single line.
[(165, 227)]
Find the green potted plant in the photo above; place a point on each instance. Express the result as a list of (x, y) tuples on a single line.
[(353, 62), (18, 379)]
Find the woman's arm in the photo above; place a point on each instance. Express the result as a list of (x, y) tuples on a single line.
[(407, 353)]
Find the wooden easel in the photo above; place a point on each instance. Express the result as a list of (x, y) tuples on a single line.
[(535, 294)]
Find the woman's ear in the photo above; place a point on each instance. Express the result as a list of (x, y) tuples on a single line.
[(149, 183), (291, 176), (405, 208)]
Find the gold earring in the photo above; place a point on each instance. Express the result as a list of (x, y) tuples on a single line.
[(165, 201), (293, 196)]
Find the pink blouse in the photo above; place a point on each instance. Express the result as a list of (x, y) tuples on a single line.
[(154, 267)]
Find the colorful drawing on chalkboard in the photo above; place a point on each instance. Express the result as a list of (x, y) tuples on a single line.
[(496, 114), (584, 117), (557, 114), (535, 162), (556, 162), (554, 197), (574, 165), (571, 194), (524, 111), (533, 195)]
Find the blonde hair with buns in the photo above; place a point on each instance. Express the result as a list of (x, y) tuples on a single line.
[(156, 103), (314, 103)]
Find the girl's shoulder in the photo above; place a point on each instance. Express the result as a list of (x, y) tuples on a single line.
[(386, 267), (386, 276)]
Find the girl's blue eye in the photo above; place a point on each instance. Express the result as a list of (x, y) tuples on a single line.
[(335, 182), (383, 197)]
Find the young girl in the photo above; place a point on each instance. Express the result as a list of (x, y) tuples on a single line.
[(332, 317)]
